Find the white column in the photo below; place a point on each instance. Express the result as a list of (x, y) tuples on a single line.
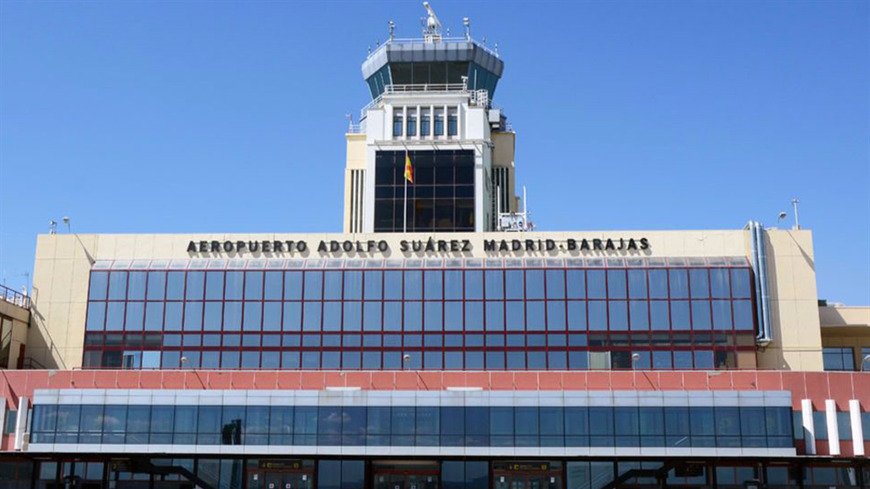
[(833, 429), (21, 422), (460, 119), (387, 125), (431, 120), (809, 427), (2, 414), (446, 124), (405, 122), (857, 428), (418, 121)]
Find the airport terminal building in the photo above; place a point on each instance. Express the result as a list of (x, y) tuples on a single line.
[(438, 341)]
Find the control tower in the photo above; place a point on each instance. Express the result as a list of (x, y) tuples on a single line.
[(432, 107)]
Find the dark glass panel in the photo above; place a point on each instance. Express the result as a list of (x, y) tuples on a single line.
[(678, 284), (117, 286), (595, 284), (534, 284), (658, 284), (526, 427), (699, 283), (616, 284), (233, 287), (741, 285)]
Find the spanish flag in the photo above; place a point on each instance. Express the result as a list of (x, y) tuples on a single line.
[(409, 170)]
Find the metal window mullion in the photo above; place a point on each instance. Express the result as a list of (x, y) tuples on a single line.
[(525, 312), (545, 301), (565, 326), (712, 318), (125, 301), (262, 317), (670, 320), (402, 330), (691, 313)]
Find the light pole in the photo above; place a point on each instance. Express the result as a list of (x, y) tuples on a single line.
[(865, 361), (797, 223)]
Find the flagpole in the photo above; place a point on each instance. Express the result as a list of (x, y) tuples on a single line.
[(405, 207)]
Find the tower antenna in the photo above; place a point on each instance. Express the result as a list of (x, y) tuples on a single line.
[(432, 29)]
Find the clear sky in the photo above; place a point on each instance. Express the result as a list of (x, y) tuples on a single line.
[(189, 117)]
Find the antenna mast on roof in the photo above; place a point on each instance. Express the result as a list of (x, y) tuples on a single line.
[(513, 221), (432, 28)]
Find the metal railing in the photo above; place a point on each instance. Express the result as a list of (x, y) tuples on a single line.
[(426, 87), (375, 103), (14, 297), (479, 98), (442, 40)]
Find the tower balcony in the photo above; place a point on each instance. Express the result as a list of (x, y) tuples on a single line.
[(476, 98)]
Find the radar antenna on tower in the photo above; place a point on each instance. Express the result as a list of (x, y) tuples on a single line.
[(432, 28)]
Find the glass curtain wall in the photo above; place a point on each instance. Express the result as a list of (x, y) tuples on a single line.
[(472, 317), (440, 199), (423, 426)]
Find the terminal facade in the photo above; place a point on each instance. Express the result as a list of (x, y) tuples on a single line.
[(439, 341)]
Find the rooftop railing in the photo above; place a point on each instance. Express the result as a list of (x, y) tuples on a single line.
[(440, 40), (14, 297), (426, 87), (476, 97)]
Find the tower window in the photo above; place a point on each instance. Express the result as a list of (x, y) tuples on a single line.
[(397, 125), (412, 125), (424, 124), (452, 125), (439, 124), (440, 199)]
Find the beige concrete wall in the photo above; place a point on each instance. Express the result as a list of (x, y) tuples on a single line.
[(356, 160), (797, 341), (63, 263), (19, 318), (503, 157), (854, 316), (847, 327)]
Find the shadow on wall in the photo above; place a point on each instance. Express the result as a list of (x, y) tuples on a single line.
[(40, 350), (779, 360)]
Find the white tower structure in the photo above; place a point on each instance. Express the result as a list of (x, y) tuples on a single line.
[(431, 104)]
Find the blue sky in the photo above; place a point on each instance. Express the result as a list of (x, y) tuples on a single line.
[(188, 117)]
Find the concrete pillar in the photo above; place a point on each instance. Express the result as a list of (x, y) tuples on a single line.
[(833, 429), (809, 426), (21, 422), (2, 414), (857, 428)]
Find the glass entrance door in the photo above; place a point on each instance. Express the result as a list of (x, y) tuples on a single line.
[(405, 475), (406, 481), (527, 475), (518, 481), (280, 474), (278, 480)]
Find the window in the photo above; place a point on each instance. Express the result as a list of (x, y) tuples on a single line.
[(412, 125), (440, 199), (452, 125), (838, 358), (423, 426), (397, 125), (425, 127), (450, 316), (439, 124), (11, 419)]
